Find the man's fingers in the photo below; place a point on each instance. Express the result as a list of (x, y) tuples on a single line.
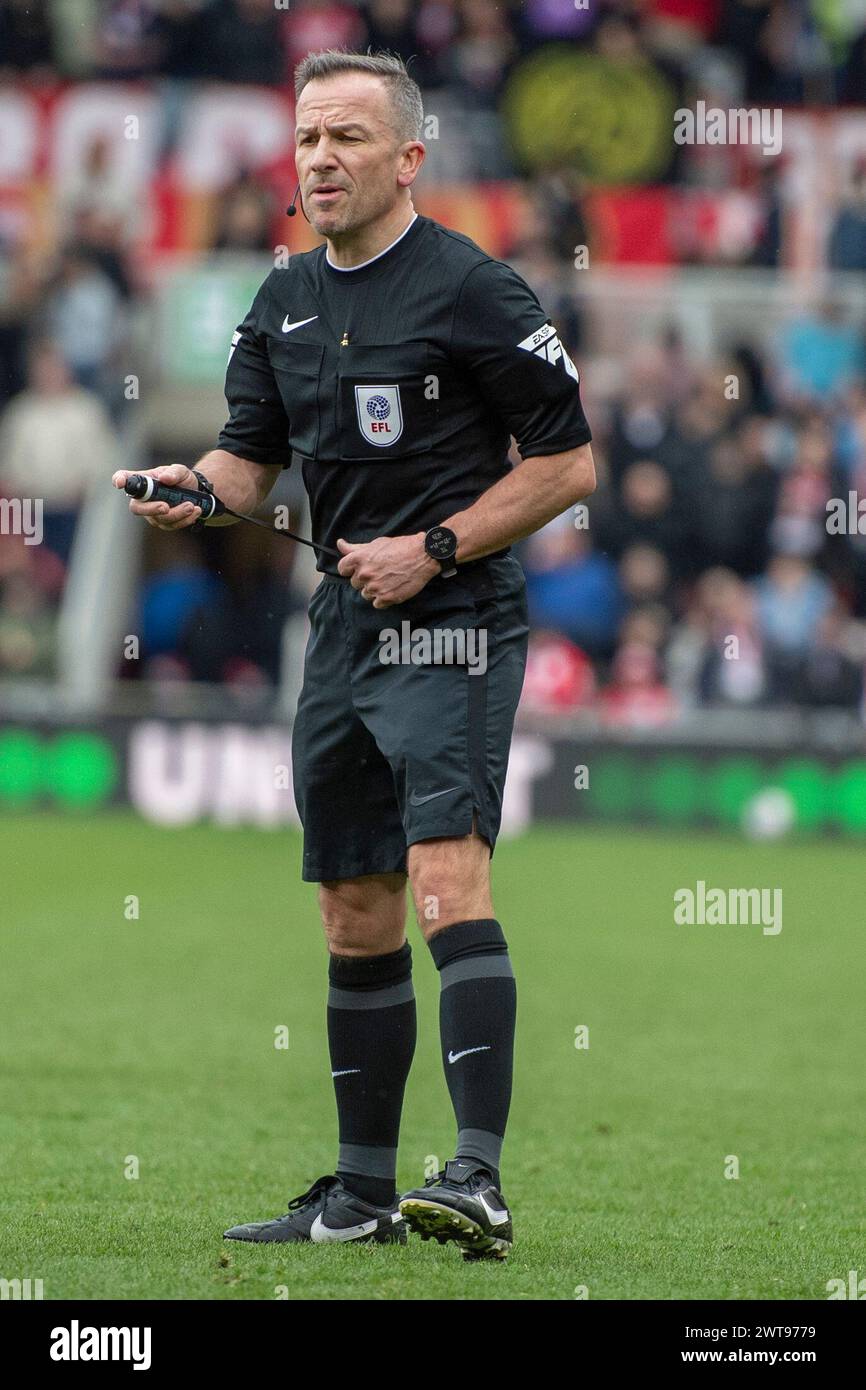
[(165, 517), (173, 474)]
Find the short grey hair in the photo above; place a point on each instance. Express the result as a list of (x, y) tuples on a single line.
[(404, 91)]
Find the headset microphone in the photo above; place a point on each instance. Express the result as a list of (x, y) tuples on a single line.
[(292, 208)]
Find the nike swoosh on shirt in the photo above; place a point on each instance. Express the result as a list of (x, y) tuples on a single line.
[(349, 1071), (416, 800), (455, 1056), (319, 1232), (290, 327)]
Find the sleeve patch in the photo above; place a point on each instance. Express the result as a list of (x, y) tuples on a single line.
[(545, 343), (535, 339)]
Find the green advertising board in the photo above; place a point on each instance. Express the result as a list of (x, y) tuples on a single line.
[(199, 309)]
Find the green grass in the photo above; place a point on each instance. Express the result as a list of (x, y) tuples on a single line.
[(155, 1038)]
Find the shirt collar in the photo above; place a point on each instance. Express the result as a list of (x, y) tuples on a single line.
[(347, 269)]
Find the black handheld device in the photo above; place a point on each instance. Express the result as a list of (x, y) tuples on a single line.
[(145, 488)]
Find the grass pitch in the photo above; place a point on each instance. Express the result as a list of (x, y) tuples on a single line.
[(146, 1044)]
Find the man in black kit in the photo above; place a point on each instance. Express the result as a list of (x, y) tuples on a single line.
[(397, 360)]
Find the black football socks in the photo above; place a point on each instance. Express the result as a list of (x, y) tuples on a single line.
[(371, 1035), (477, 1009)]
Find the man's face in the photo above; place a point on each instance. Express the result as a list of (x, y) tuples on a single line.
[(347, 152)]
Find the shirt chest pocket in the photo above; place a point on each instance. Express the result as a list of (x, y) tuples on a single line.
[(386, 402), (297, 370)]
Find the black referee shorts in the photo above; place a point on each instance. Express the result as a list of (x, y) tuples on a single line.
[(404, 720)]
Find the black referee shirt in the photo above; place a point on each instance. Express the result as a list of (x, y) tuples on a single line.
[(398, 383)]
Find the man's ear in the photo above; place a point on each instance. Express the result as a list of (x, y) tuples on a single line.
[(411, 160)]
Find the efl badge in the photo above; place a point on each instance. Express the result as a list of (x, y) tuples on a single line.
[(379, 414)]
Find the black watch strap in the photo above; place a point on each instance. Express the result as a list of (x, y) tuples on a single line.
[(204, 485)]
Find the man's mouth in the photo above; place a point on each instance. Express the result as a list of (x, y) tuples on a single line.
[(327, 191)]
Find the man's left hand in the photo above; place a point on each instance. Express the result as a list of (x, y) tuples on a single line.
[(387, 570)]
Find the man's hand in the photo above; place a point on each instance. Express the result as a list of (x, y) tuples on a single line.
[(387, 570), (160, 513)]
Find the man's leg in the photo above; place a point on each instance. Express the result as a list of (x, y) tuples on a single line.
[(371, 1025), (478, 1000), (371, 1032), (476, 1016)]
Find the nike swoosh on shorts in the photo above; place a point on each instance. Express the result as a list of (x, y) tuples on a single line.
[(416, 800)]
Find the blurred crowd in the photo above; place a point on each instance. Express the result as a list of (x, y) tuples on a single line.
[(780, 51), (702, 572), (722, 560)]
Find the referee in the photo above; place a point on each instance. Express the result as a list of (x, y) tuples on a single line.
[(396, 361)]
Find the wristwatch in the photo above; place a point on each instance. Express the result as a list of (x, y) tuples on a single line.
[(441, 545), (204, 485)]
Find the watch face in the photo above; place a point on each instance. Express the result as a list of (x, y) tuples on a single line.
[(441, 543)]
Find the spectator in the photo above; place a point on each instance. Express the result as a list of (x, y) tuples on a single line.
[(180, 37), (847, 247), (544, 20), (559, 676), (731, 503), (18, 308), (821, 356), (637, 697), (572, 589), (831, 672), (644, 575), (715, 656), (644, 514), (391, 26), (799, 525), (173, 601), (481, 57), (127, 43), (83, 313), (240, 41), (318, 24), (698, 423), (792, 600), (55, 443), (98, 193), (436, 22), (641, 422), (26, 46), (27, 628), (245, 216)]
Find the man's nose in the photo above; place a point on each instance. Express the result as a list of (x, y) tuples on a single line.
[(324, 156)]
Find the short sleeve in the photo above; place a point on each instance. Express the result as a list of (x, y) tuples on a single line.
[(505, 342), (258, 427)]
